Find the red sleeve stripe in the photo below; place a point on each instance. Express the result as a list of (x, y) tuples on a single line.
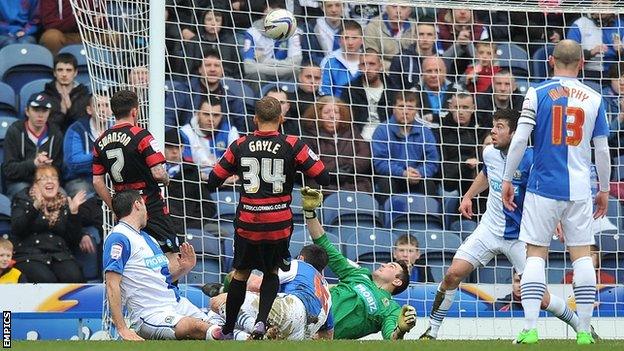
[(130, 186), (315, 170), (98, 169), (302, 156), (229, 156), (264, 236), (292, 140), (144, 143), (265, 200), (136, 130), (241, 140), (221, 172), (154, 159), (265, 217)]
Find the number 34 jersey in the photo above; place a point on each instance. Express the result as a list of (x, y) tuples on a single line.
[(266, 163), (127, 153), (566, 114)]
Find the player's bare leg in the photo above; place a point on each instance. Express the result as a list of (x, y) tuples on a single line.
[(457, 272), (195, 329), (235, 299)]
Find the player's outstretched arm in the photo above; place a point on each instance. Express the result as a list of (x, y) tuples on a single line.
[(99, 184), (312, 199), (113, 293), (477, 187)]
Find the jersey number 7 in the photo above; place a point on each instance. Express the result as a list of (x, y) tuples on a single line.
[(574, 127)]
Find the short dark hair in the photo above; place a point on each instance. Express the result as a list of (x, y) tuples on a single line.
[(276, 4), (66, 57), (315, 256), (404, 276), (350, 25), (509, 115), (210, 99), (123, 202), (407, 95), (211, 52), (407, 239), (123, 102), (268, 109)]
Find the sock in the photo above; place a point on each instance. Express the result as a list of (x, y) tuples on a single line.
[(532, 289), (235, 299), (268, 292), (560, 310), (240, 335), (584, 291), (441, 305)]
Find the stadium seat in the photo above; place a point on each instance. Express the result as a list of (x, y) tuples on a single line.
[(203, 242), (556, 269), (8, 101), (610, 243), (33, 87), (237, 88), (464, 226), (23, 63), (296, 205), (613, 264), (207, 270), (5, 206), (445, 241), (413, 212), (618, 168), (5, 123), (370, 245), (615, 211), (557, 247), (522, 84), (539, 64), (347, 208), (227, 246), (226, 203), (300, 238), (498, 271), (287, 87), (514, 57)]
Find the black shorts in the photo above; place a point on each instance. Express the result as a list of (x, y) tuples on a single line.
[(160, 227), (263, 256)]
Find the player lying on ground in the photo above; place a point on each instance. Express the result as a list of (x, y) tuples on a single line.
[(567, 117), (498, 230), (267, 162), (361, 301), (137, 274), (302, 307)]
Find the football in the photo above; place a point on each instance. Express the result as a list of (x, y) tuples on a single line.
[(280, 24)]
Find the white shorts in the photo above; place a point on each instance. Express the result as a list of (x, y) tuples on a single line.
[(483, 245), (541, 216), (160, 325), (288, 315)]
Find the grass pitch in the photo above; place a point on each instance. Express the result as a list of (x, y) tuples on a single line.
[(481, 345)]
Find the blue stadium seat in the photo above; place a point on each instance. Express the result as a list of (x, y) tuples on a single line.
[(522, 84), (79, 53), (610, 243), (613, 264), (287, 87), (556, 269), (439, 241), (370, 245), (348, 208), (8, 101), (498, 271), (296, 205), (203, 242), (227, 246), (413, 212), (300, 238), (438, 262), (539, 64), (22, 63), (33, 87), (464, 226), (614, 210), (513, 57), (237, 88), (226, 203), (618, 168), (207, 270), (5, 123), (557, 247), (5, 206)]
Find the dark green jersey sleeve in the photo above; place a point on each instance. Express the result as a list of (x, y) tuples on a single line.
[(337, 262), (390, 316)]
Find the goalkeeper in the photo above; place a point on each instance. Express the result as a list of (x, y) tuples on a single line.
[(362, 301)]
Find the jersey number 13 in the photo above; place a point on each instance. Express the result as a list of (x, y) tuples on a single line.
[(575, 117)]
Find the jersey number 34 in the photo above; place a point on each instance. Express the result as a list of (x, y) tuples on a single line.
[(575, 117)]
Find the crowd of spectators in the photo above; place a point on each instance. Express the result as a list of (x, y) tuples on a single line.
[(394, 99)]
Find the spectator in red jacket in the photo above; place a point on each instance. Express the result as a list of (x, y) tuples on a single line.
[(59, 25)]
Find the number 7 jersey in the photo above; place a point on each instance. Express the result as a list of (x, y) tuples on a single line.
[(566, 115), (266, 163)]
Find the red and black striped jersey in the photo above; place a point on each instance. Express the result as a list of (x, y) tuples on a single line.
[(127, 153), (266, 163)]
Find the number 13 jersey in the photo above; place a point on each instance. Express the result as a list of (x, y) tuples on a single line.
[(266, 163), (127, 153), (566, 114)]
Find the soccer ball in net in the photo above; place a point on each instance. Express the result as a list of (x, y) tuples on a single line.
[(280, 24)]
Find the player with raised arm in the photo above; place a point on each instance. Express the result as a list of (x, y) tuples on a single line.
[(498, 230), (362, 301), (302, 307), (266, 161), (566, 116), (132, 159), (138, 277)]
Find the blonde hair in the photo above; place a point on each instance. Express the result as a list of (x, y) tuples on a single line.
[(312, 114), (6, 244)]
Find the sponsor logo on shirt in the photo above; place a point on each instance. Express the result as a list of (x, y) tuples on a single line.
[(116, 251), (367, 296), (312, 155), (157, 261)]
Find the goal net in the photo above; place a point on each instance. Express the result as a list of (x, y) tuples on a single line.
[(349, 80)]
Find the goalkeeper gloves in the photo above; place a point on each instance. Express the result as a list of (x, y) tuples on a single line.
[(312, 199), (407, 320)]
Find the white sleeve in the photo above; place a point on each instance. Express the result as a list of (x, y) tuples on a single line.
[(529, 107), (516, 149), (285, 277), (603, 161)]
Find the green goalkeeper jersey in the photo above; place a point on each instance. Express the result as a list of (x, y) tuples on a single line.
[(359, 307)]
